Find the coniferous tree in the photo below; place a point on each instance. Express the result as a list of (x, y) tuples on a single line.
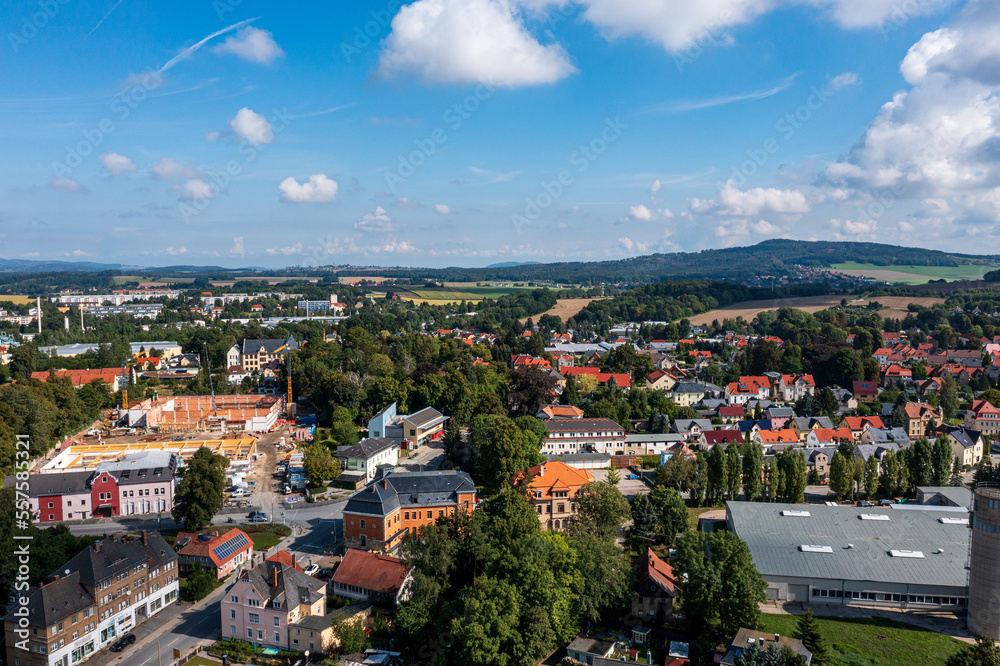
[(807, 631)]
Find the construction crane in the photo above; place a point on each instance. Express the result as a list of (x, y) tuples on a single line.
[(211, 384), (288, 371)]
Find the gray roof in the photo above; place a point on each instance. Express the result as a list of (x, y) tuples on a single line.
[(367, 448), (270, 346), (954, 495), (827, 450), (774, 541), (58, 484), (425, 417), (141, 460), (654, 437), (966, 437), (807, 422), (54, 601), (410, 489), (293, 587), (570, 458), (689, 387), (887, 435), (110, 556), (780, 411), (686, 424)]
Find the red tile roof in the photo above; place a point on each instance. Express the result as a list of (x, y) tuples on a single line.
[(377, 573), (285, 558)]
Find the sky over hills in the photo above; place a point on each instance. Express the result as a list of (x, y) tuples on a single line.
[(473, 132)]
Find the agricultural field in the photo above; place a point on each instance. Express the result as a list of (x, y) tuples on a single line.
[(871, 641), (893, 306), (455, 294), (565, 308), (17, 299), (914, 274)]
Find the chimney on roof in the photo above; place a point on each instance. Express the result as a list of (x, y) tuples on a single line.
[(97, 546), (274, 570), (385, 484), (541, 470), (55, 577), (145, 539)]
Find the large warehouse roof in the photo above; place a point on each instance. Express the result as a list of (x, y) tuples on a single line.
[(853, 543)]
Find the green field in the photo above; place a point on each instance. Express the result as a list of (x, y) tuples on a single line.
[(463, 293), (921, 273), (872, 641)]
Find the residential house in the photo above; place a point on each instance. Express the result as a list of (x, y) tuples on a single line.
[(528, 361), (660, 380), (371, 577), (818, 462), (687, 393), (692, 428), (803, 425), (221, 554), (398, 503), (585, 650), (746, 637), (895, 373), (984, 417), (265, 601), (254, 355), (918, 416), (731, 413), (779, 416), (845, 399), (656, 588), (966, 444), (771, 438), (711, 438), (315, 632), (881, 436), (553, 487), (622, 380), (929, 387), (794, 387), (865, 391), (101, 594), (828, 436), (747, 388), (360, 461), (882, 355), (651, 444), (583, 436), (858, 424), (410, 432)]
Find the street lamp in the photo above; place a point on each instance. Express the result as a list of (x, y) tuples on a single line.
[(158, 661)]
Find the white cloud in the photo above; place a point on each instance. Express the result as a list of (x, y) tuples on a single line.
[(167, 167), (494, 176), (286, 251), (212, 137), (442, 209), (252, 44), (470, 41), (319, 189), (629, 245), (842, 81), (938, 139), (196, 190), (176, 251), (640, 213), (733, 202), (252, 127), (655, 187), (765, 228), (379, 221), (117, 164), (67, 185), (406, 202), (77, 253), (237, 249), (866, 226)]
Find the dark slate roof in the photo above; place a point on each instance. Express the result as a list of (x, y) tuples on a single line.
[(367, 448), (966, 437), (54, 601), (807, 422), (410, 489), (812, 453), (58, 484), (293, 588), (270, 346), (109, 556), (425, 417)]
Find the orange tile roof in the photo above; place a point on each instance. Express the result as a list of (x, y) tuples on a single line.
[(563, 411), (783, 436), (554, 475), (858, 422), (285, 558), (81, 377), (369, 571)]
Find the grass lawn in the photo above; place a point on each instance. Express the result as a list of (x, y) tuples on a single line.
[(694, 512), (266, 536), (857, 642), (201, 661), (463, 293)]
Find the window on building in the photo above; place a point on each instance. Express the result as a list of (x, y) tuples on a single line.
[(362, 523)]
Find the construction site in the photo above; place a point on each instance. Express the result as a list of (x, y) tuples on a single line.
[(79, 457), (206, 413)]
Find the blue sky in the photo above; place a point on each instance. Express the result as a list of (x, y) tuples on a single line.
[(469, 132)]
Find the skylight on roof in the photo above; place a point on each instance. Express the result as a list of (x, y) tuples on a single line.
[(874, 516), (815, 549), (912, 554), (953, 521), (796, 514)]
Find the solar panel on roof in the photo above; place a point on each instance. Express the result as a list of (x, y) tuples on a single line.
[(226, 549)]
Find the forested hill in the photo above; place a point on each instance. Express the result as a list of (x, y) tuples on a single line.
[(738, 263)]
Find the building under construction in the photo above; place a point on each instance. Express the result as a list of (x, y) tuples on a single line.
[(240, 451), (205, 413)]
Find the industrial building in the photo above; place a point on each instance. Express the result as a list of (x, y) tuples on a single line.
[(907, 556), (984, 565)]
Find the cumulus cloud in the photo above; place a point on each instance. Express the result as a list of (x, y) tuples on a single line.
[(196, 190), (176, 251), (842, 81), (643, 213), (252, 44), (117, 164), (406, 202), (470, 41), (640, 213), (866, 226), (442, 209), (237, 249), (252, 127), (319, 189), (167, 167), (379, 221), (938, 139), (733, 202), (67, 185), (655, 187)]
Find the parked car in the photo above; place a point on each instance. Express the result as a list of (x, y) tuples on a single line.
[(886, 502), (324, 572), (633, 476), (122, 643), (241, 492), (311, 570), (865, 503), (257, 517)]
